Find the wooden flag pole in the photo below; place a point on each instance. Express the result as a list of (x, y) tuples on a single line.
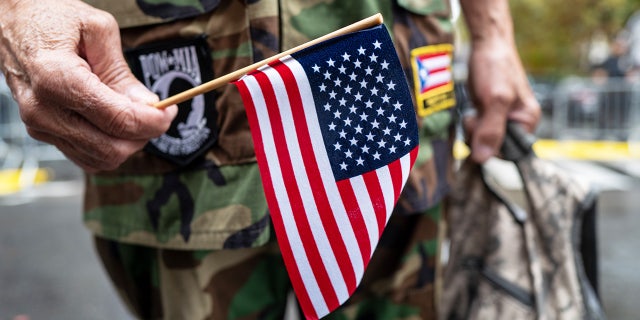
[(218, 82)]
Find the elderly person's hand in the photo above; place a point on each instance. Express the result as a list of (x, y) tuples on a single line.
[(64, 64), (497, 82)]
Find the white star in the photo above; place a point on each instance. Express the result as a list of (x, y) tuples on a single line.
[(368, 70), (407, 142), (342, 102), (361, 50), (347, 122), (373, 58), (379, 78), (358, 129), (386, 131), (423, 74), (377, 44), (353, 76), (369, 104), (384, 64), (353, 109), (346, 56), (327, 107), (397, 137), (381, 143), (337, 82), (343, 166), (347, 89), (332, 94), (403, 124), (391, 85), (370, 136), (327, 75), (380, 111), (363, 116), (330, 62), (358, 96), (374, 91), (323, 87), (397, 105), (385, 98), (392, 149), (342, 69), (365, 149), (348, 154), (316, 68), (337, 114), (363, 83), (375, 124), (357, 63), (353, 141), (342, 134), (360, 161), (392, 118), (332, 127), (376, 156), (337, 146)]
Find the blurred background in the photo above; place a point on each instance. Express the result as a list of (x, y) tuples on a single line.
[(583, 60)]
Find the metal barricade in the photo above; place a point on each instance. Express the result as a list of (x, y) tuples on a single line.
[(595, 109)]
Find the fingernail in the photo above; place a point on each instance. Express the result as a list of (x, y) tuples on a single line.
[(172, 110), (482, 153), (142, 95)]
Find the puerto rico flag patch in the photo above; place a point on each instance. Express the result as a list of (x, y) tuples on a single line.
[(433, 78)]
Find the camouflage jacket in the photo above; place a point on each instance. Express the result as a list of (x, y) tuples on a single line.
[(219, 202)]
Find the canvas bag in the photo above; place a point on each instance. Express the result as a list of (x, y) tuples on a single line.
[(511, 261)]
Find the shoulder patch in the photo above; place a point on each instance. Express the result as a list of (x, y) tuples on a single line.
[(433, 78)]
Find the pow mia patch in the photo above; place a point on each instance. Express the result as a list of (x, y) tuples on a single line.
[(167, 69)]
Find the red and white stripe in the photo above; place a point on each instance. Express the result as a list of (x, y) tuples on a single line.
[(326, 230), (439, 68)]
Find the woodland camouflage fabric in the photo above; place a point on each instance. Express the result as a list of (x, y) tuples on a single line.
[(150, 209), (218, 202), (252, 283)]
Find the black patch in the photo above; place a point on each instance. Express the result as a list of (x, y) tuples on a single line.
[(169, 68), (171, 11)]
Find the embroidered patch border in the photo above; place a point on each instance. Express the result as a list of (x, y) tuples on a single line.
[(168, 68), (433, 78)]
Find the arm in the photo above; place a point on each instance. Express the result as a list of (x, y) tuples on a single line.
[(497, 81), (64, 65)]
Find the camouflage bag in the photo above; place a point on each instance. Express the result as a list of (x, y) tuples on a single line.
[(518, 258)]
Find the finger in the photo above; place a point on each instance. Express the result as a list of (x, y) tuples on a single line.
[(115, 114), (78, 138), (83, 157), (528, 115), (488, 134), (70, 151)]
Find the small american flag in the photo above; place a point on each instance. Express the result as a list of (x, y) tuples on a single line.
[(335, 135)]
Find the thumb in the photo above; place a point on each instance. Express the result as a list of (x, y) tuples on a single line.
[(488, 134)]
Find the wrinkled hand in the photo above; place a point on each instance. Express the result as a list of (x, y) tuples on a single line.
[(500, 91), (64, 64)]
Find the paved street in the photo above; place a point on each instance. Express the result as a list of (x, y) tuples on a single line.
[(48, 269)]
